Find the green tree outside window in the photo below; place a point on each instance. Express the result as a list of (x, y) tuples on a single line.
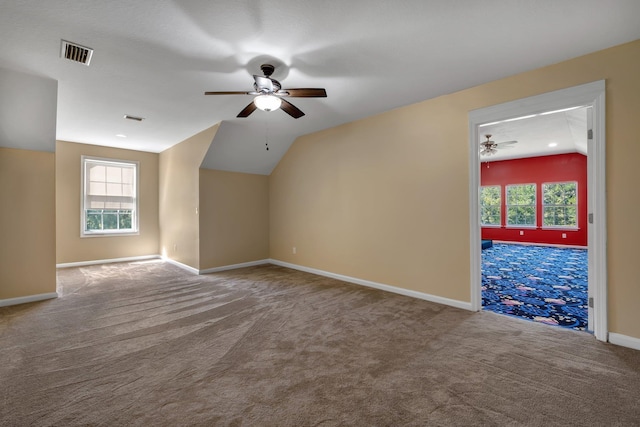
[(108, 219), (521, 205), (490, 211), (560, 204)]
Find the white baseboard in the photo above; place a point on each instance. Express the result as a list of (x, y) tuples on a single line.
[(624, 340), (414, 294), (30, 298), (166, 259), (234, 266), (550, 245), (181, 265), (106, 261)]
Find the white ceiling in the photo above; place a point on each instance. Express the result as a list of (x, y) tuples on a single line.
[(155, 58), (565, 130)]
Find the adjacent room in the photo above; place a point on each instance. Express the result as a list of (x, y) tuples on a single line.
[(251, 213), (533, 199)]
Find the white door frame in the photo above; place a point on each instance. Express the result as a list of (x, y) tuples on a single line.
[(587, 95)]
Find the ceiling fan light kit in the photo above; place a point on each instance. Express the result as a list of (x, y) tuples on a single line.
[(267, 102), (269, 93)]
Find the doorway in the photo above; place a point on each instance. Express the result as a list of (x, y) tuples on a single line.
[(589, 95), (533, 213)]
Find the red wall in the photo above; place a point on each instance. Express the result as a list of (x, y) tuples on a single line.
[(539, 170)]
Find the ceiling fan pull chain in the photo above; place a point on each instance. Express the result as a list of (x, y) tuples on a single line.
[(266, 135)]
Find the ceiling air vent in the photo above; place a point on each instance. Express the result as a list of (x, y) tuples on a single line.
[(76, 53)]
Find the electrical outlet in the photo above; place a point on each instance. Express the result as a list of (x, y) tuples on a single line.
[(564, 235), (522, 232), (175, 247), (294, 250)]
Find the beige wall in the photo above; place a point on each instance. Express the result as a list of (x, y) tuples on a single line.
[(376, 200), (234, 218), (179, 197), (386, 198), (70, 246), (28, 223)]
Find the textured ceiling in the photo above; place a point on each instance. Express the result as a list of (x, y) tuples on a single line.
[(155, 59)]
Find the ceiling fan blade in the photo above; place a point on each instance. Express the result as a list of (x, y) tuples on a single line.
[(291, 109), (506, 143), (247, 110), (263, 83), (229, 93), (304, 92)]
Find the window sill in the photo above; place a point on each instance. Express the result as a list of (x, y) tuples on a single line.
[(107, 234), (561, 228)]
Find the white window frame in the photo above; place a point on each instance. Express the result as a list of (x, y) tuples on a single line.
[(560, 227), (135, 229), (535, 206), (499, 224)]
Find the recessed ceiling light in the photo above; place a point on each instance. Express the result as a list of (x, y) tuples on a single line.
[(553, 144), (121, 135)]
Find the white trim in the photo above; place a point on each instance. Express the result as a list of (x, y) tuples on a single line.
[(166, 259), (414, 294), (181, 265), (597, 236), (588, 95), (30, 298), (135, 231), (475, 229), (550, 245), (110, 234), (624, 340), (234, 266), (106, 261)]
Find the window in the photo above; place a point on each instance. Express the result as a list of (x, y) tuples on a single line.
[(521, 205), (560, 204), (490, 205), (110, 197)]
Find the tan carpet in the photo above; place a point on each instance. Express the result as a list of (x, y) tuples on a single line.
[(147, 344)]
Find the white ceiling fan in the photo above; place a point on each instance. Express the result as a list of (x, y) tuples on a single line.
[(489, 147)]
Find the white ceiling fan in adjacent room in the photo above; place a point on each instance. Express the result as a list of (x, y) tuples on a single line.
[(489, 147)]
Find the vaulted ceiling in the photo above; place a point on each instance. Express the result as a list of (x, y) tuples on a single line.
[(541, 134), (155, 59)]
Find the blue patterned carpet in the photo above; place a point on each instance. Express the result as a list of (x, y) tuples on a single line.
[(542, 284)]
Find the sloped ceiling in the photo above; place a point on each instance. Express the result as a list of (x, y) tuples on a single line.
[(546, 134), (155, 59), (27, 111)]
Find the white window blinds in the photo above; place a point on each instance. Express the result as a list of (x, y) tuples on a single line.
[(109, 185)]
